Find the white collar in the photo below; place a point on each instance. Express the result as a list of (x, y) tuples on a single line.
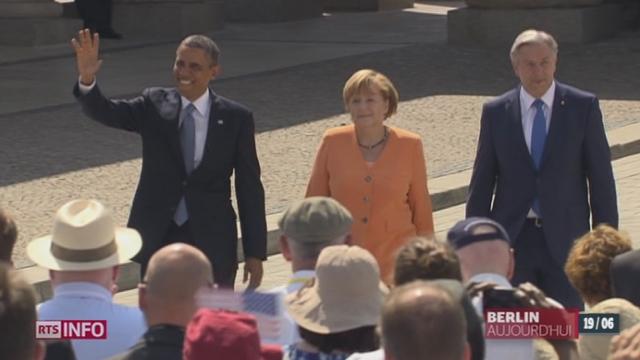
[(82, 289), (299, 279), (201, 104), (302, 275), (492, 278), (527, 100)]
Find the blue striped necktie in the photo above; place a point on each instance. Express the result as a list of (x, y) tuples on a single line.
[(188, 143), (538, 137)]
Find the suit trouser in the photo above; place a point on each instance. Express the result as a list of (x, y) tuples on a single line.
[(535, 264), (224, 277), (96, 14)]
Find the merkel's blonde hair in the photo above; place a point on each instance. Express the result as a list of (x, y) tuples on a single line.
[(365, 80)]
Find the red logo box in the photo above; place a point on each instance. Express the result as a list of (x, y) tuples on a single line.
[(530, 323)]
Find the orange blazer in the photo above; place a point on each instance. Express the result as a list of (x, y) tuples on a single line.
[(389, 200)]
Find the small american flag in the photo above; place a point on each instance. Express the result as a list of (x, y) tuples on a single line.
[(266, 307)]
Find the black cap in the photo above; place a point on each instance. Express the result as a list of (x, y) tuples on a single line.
[(461, 234)]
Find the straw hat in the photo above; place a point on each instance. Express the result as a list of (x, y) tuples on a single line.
[(596, 346), (84, 238), (347, 292)]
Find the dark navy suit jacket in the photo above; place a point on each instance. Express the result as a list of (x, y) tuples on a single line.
[(230, 146), (575, 179)]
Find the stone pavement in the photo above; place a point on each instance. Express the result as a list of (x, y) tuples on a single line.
[(627, 174), (291, 75)]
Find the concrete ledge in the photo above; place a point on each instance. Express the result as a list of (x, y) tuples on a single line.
[(166, 19), (366, 5), (446, 191), (272, 10), (37, 31), (29, 9), (498, 27)]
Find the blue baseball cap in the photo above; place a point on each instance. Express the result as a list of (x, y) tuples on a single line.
[(462, 233)]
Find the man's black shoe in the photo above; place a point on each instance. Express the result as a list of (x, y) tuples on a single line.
[(109, 34)]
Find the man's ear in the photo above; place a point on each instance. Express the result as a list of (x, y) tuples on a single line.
[(348, 239), (467, 351), (40, 351), (216, 70), (52, 277), (512, 264), (116, 273), (142, 296), (387, 356), (284, 247)]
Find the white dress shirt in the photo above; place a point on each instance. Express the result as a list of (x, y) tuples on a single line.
[(528, 113), (89, 301), (200, 116)]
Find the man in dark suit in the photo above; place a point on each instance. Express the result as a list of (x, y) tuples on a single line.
[(192, 141), (543, 150), (96, 15)]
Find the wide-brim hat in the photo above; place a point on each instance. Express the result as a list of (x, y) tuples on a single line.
[(596, 346), (346, 294), (84, 237)]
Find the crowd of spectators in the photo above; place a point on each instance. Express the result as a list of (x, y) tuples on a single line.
[(336, 305)]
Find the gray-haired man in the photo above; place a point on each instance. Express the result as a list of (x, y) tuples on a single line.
[(308, 227)]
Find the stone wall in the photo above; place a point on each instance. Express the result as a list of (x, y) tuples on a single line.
[(271, 10)]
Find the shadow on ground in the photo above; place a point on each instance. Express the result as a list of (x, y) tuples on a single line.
[(55, 140)]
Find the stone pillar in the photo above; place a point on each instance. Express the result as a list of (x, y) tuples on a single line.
[(498, 22), (34, 22), (166, 18), (271, 10)]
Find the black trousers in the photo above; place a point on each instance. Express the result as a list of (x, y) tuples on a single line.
[(96, 14), (534, 264), (182, 234)]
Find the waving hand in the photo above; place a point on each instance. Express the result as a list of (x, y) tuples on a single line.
[(86, 47)]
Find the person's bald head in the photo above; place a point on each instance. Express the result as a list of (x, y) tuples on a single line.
[(177, 271), (174, 275), (423, 318), (488, 256)]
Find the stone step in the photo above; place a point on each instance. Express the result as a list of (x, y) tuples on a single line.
[(29, 9), (367, 5), (37, 30), (31, 1), (272, 10), (166, 19), (45, 22), (496, 27)]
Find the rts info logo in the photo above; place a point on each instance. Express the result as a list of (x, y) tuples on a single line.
[(71, 329)]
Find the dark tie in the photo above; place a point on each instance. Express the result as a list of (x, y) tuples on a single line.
[(188, 138), (538, 137), (188, 143)]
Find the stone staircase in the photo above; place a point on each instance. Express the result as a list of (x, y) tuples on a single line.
[(35, 22), (47, 22)]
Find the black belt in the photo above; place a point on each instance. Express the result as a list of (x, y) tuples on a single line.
[(537, 222)]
